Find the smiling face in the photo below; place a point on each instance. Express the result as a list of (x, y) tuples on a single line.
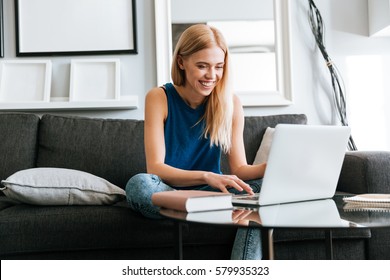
[(203, 70)]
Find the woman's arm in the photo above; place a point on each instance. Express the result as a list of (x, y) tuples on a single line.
[(237, 158), (156, 112)]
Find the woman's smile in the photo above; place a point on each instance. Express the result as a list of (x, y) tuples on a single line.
[(204, 69), (208, 84)]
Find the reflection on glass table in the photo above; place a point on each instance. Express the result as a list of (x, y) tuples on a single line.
[(327, 214)]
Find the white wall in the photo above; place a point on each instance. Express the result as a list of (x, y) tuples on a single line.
[(310, 85), (346, 24), (365, 65), (138, 72)]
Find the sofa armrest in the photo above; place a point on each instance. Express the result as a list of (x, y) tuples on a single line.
[(365, 172)]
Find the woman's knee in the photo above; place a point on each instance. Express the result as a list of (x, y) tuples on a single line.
[(143, 185), (140, 178), (139, 191), (140, 182)]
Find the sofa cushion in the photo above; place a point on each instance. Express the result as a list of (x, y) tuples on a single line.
[(110, 149), (365, 172), (265, 146), (18, 142), (54, 229), (255, 128), (58, 186)]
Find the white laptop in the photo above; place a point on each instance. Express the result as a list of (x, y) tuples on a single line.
[(304, 163)]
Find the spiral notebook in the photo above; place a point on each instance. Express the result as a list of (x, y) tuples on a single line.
[(367, 202)]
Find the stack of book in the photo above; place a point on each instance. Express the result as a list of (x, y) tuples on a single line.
[(367, 202)]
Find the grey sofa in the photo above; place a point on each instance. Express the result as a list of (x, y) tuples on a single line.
[(113, 149)]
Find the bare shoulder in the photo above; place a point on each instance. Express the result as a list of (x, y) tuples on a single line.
[(237, 101), (238, 110), (156, 97), (156, 93), (156, 101)]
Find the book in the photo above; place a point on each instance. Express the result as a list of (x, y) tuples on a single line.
[(193, 200), (214, 216), (367, 202)]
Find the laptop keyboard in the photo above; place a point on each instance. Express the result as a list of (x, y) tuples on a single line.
[(253, 197)]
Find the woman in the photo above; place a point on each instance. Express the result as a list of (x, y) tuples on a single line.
[(187, 126)]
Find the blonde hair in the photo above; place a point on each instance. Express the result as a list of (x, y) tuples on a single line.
[(219, 109)]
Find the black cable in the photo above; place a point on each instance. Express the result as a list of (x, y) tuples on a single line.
[(317, 28)]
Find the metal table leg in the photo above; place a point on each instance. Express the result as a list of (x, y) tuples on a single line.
[(178, 240), (266, 238), (267, 243), (329, 244)]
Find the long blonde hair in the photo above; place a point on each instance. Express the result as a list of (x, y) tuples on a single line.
[(219, 109)]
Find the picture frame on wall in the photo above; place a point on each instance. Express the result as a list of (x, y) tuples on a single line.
[(1, 29), (94, 80), (75, 27), (24, 81)]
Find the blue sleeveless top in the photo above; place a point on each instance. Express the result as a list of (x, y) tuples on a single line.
[(185, 145)]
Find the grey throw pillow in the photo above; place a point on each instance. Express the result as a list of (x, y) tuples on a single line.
[(59, 186)]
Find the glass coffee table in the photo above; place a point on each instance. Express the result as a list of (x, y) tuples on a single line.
[(325, 214)]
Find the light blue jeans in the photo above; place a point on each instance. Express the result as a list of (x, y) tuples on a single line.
[(139, 190)]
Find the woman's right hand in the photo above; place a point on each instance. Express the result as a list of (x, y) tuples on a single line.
[(224, 182)]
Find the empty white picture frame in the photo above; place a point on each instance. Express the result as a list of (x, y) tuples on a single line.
[(94, 80), (25, 81), (75, 27)]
